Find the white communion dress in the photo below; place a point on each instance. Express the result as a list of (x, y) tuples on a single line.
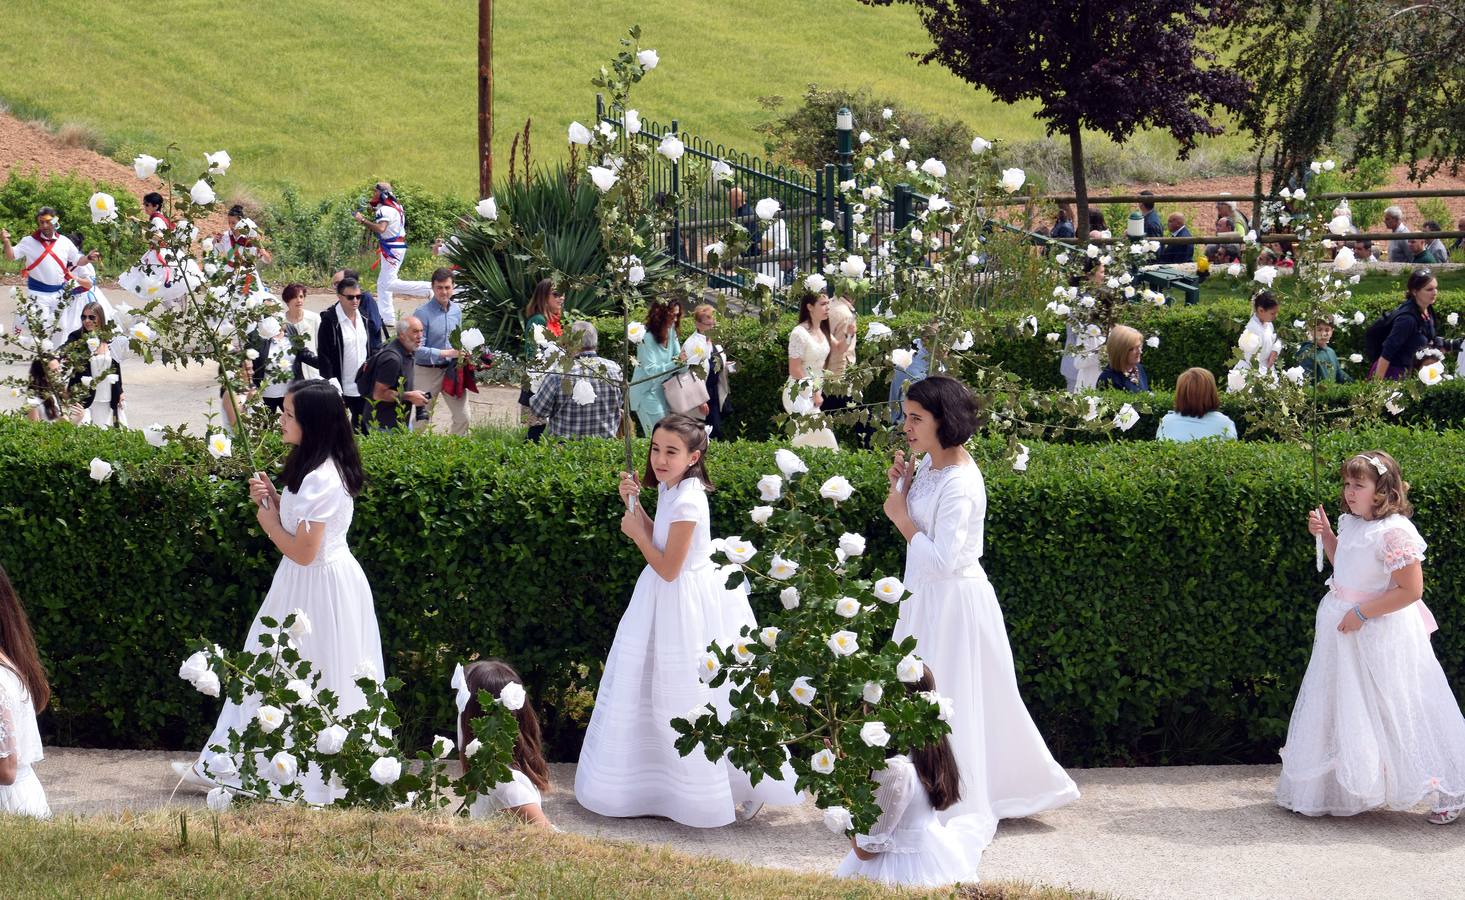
[(1006, 769), (1376, 724), (517, 791), (629, 765), (912, 846), (344, 641), (20, 738)]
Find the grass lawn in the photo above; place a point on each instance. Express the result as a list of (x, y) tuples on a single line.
[(1219, 287), (326, 94), (300, 854)]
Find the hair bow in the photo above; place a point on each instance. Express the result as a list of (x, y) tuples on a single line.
[(460, 684), (1377, 463)]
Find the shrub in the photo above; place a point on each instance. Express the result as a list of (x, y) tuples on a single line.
[(1152, 592), (22, 194)]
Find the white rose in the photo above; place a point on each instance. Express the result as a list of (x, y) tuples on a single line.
[(671, 147), (1020, 462), (220, 445), (1432, 374), (874, 734), (207, 684), (847, 607), (101, 470), (782, 569), (789, 463), (865, 137), (386, 770), (816, 283), (604, 178), (708, 667), (873, 692), (1235, 380), (103, 207), (843, 643), (220, 765), (473, 747), (721, 171), (910, 669), (330, 740), (608, 130), (579, 134), (268, 328), (201, 193), (886, 113), (822, 762), (1355, 358), (789, 597), (768, 281), (269, 718), (917, 236), (145, 165), (770, 488), (300, 627), (635, 332), (301, 689), (902, 358), (838, 819), (938, 204), (470, 339), (1452, 319), (219, 799), (1152, 341), (852, 267), (837, 489), (632, 122), (648, 59), (767, 208), (218, 162), (802, 692), (143, 332), (1126, 417), (1249, 342), (739, 550), (969, 340), (442, 746), (512, 696), (584, 392), (194, 666), (934, 167), (1234, 270), (769, 636), (1052, 337), (487, 208), (283, 768), (761, 514), (1295, 374), (1012, 180), (889, 589), (1265, 275), (980, 146), (852, 544)]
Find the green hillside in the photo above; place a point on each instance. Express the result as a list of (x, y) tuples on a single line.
[(325, 94)]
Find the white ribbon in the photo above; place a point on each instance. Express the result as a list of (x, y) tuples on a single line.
[(460, 685)]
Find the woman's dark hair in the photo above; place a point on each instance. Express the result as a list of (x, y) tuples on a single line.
[(1064, 213), (935, 763), (237, 211), (951, 404), (1096, 220), (1418, 280), (539, 303), (325, 434), (694, 436), (1263, 299), (76, 238), (806, 313), (153, 198), (19, 645), (662, 318), (94, 308), (44, 387), (293, 290), (491, 675)]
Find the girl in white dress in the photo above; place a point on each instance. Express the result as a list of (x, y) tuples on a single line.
[(1376, 724), (520, 795), (629, 765), (23, 693), (810, 345), (939, 507), (318, 574), (908, 844)]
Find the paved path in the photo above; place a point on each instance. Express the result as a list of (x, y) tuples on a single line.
[(1168, 834)]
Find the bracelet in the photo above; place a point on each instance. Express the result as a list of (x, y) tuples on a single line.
[(1358, 611)]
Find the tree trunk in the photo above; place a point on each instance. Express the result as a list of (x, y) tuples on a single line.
[(1080, 184)]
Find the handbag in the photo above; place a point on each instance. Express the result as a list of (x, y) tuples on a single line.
[(685, 392)]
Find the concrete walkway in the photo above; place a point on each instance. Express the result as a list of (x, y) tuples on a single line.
[(1166, 834)]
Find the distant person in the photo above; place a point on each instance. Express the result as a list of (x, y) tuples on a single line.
[(1459, 242), (1398, 248), (1436, 247), (1319, 360), (440, 317), (1124, 372), (49, 257), (1153, 228), (1176, 254), (24, 694), (393, 391), (1264, 310), (544, 312), (347, 339), (389, 225), (1226, 209), (571, 410), (240, 248), (368, 300), (1096, 222), (1197, 412), (744, 215), (1063, 224)]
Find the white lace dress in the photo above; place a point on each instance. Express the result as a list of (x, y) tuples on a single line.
[(1006, 769), (1376, 724), (811, 348), (913, 847), (333, 592), (629, 765), (20, 738)]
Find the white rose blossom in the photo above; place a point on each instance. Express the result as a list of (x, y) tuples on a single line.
[(801, 691), (769, 636), (269, 718), (760, 514), (789, 463), (789, 597), (739, 550), (872, 694), (648, 59), (910, 669), (145, 166), (512, 696), (767, 208), (852, 544), (604, 178), (843, 643), (889, 589), (386, 770), (847, 607), (822, 762), (837, 488), (201, 193), (487, 208), (770, 488), (708, 667), (838, 819), (207, 684), (219, 799), (330, 740), (1012, 180), (100, 469), (782, 569), (874, 734), (284, 768)]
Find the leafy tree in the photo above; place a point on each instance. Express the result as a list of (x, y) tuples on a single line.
[(1111, 67)]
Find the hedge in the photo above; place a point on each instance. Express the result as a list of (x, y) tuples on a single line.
[(1203, 335), (1159, 598)]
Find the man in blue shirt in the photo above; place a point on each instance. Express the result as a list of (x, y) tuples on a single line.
[(1153, 228), (440, 317)]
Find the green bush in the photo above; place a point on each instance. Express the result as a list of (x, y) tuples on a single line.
[(1159, 598), (22, 194)]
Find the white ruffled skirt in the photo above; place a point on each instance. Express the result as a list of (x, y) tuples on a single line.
[(25, 797), (935, 856)]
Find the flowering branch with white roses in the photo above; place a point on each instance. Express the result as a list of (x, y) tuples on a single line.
[(821, 688)]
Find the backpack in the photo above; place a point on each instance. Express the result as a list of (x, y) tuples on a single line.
[(366, 376), (1378, 332)]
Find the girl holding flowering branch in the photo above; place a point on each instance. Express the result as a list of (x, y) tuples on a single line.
[(629, 765), (318, 577), (23, 693), (939, 506), (1376, 724)]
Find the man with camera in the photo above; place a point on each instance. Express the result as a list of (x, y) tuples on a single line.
[(389, 225)]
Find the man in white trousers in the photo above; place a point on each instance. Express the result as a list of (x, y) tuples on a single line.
[(389, 225), (49, 258)]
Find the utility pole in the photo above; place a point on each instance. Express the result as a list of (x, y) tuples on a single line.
[(485, 98)]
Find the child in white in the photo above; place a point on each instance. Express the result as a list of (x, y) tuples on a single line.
[(629, 765), (1376, 724), (23, 691), (528, 774), (1267, 347), (908, 845)]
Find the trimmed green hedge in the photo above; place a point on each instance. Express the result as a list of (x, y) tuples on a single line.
[(1159, 598)]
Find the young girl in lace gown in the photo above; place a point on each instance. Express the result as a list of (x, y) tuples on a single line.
[(939, 507), (908, 845), (23, 693), (629, 765), (1376, 724)]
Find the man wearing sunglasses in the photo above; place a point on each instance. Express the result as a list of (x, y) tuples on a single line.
[(347, 339), (49, 257)]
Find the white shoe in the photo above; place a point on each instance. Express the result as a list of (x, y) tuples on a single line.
[(747, 810), (190, 776)]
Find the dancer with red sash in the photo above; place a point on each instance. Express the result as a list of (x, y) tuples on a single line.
[(389, 225), (160, 274), (240, 249), (49, 260)]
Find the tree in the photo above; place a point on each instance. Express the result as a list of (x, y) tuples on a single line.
[(1388, 71), (1111, 67)]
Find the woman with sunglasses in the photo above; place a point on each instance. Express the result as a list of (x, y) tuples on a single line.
[(96, 376)]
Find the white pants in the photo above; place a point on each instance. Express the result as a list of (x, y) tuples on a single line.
[(44, 310), (429, 378), (387, 284)]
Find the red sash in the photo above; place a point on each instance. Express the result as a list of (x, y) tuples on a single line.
[(47, 249)]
